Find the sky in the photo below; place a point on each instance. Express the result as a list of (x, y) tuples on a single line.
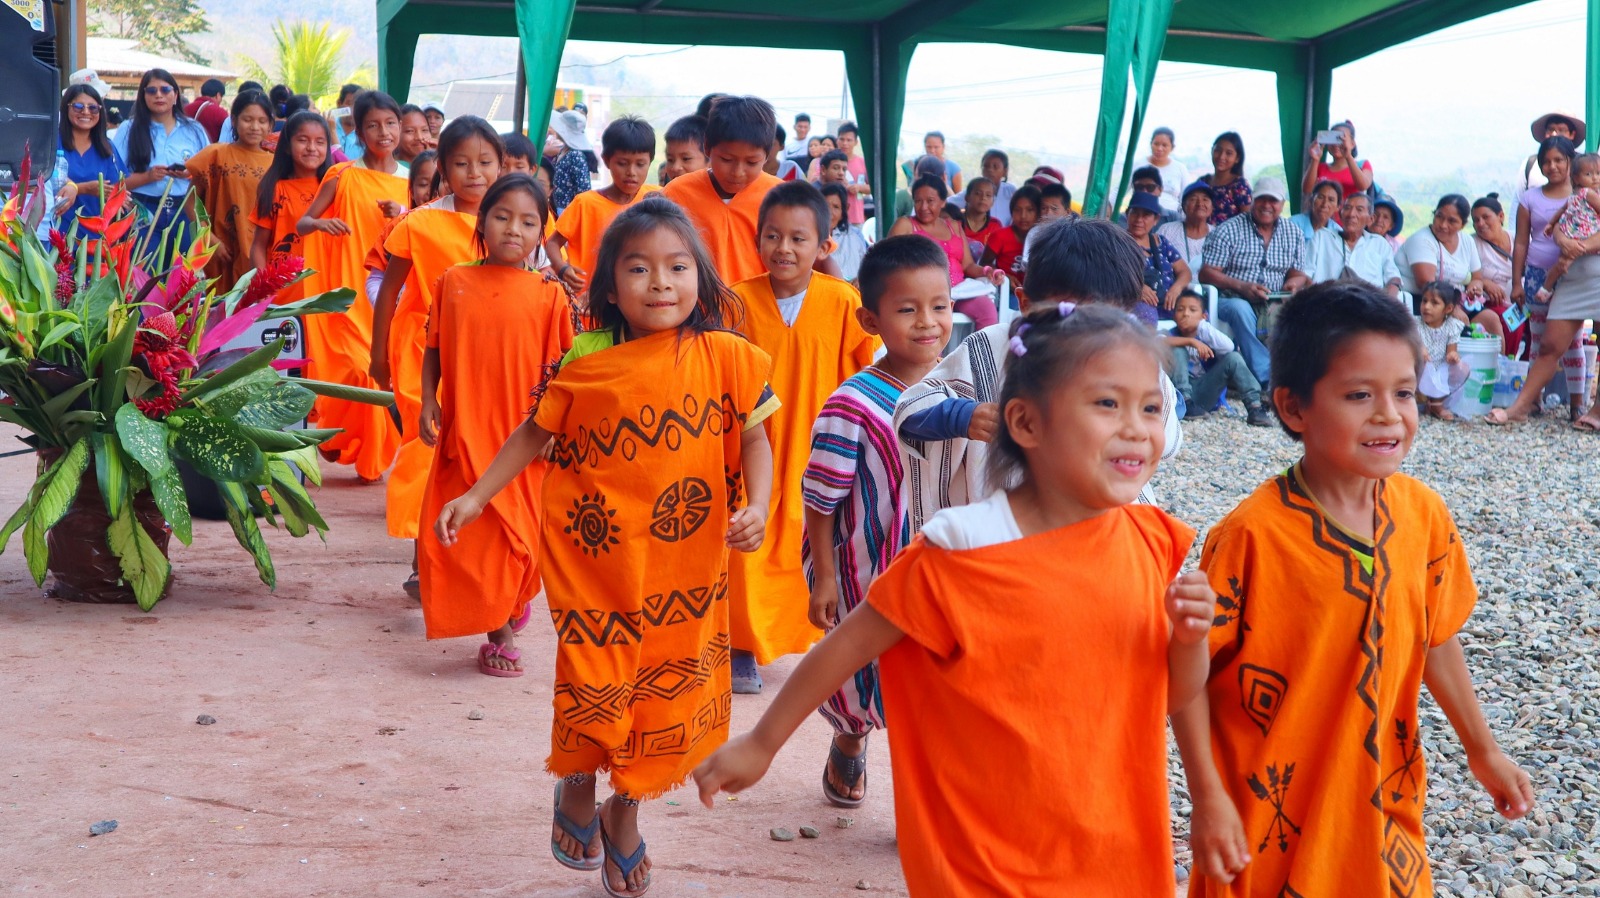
[(1458, 99)]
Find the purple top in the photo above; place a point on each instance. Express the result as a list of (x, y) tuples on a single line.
[(1542, 251)]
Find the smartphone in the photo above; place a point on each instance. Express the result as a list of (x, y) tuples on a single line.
[(1330, 138), (176, 166)]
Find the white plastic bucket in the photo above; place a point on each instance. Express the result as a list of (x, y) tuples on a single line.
[(1481, 357)]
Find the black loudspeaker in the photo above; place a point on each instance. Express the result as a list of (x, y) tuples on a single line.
[(30, 91)]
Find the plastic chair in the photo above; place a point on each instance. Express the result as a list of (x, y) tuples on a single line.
[(961, 327)]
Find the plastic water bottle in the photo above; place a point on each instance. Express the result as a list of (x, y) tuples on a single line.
[(53, 187)]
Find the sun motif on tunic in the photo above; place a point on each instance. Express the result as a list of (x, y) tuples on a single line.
[(590, 525)]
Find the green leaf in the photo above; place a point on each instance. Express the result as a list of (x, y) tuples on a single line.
[(227, 402), (250, 364), (283, 405), (109, 473), (276, 440), (57, 334), (144, 568), (35, 550), (114, 363), (291, 520), (285, 481), (237, 505), (40, 277), (306, 460), (173, 500), (60, 486), (338, 300), (17, 519), (144, 440), (94, 306), (218, 449), (62, 401), (342, 391)]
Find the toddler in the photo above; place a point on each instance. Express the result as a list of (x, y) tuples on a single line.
[(1441, 332)]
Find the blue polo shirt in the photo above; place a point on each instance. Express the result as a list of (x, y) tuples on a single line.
[(87, 167), (186, 138)]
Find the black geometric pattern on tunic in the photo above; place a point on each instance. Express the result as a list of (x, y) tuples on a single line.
[(1261, 693), (1405, 862), (669, 428)]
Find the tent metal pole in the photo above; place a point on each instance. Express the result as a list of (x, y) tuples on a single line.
[(881, 140), (519, 113), (1311, 95)]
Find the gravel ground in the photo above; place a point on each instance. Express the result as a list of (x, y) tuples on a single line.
[(1524, 502)]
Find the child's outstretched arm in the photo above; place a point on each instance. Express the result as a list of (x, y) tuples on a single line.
[(1216, 834), (862, 636), (748, 526), (1450, 683), (1190, 604), (521, 448)]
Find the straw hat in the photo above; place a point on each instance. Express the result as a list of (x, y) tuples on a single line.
[(569, 126), (1542, 124)]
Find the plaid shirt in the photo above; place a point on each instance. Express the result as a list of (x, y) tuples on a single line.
[(1236, 249)]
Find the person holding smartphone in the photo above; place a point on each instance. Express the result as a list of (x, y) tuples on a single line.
[(156, 143), (1340, 165)]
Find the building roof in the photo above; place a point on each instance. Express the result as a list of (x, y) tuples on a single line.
[(115, 56)]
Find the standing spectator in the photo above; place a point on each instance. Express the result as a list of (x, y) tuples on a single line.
[(1441, 252), (279, 95), (1248, 258), (227, 179), (849, 137), (207, 109), (997, 168), (156, 144), (1341, 165), (93, 164), (802, 128), (1165, 273), (933, 145), (1354, 252), (779, 165), (1189, 235), (1551, 124), (1230, 193), (346, 134), (570, 142), (1173, 174), (1494, 252)]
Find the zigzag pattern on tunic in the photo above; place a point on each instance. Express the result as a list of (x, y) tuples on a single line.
[(671, 426)]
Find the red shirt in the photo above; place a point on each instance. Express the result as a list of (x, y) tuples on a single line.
[(1007, 247), (979, 239), (209, 113)]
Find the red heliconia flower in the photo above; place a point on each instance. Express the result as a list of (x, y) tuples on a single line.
[(65, 284), (157, 343), (271, 280)]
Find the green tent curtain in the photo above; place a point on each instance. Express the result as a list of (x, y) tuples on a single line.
[(542, 27), (1150, 37)]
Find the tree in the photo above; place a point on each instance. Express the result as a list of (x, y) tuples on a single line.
[(308, 60), (158, 25)]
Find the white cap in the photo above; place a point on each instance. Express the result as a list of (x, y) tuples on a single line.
[(91, 78), (1271, 188)]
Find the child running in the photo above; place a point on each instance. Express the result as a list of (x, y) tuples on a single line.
[(286, 192), (855, 512), (1579, 219), (1342, 584), (947, 421), (627, 148), (807, 322), (341, 224), (724, 200), (1440, 331), (496, 333), (655, 419), (226, 179), (423, 244), (1053, 708)]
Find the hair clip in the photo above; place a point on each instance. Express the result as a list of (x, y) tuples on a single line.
[(1066, 308), (1018, 348)]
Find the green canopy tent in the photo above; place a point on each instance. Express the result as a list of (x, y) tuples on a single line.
[(1300, 44)]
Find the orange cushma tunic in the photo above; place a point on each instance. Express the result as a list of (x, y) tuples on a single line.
[(291, 197), (1058, 692), (433, 237), (225, 178), (728, 228), (340, 346), (500, 333), (585, 220), (826, 345)]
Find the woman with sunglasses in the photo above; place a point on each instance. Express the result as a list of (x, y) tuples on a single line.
[(93, 164), (156, 144)]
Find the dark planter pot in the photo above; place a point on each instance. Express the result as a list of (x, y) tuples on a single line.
[(81, 562)]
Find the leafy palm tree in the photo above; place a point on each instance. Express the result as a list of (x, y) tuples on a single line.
[(308, 60)]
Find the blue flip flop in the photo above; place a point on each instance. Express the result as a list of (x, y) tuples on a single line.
[(851, 771), (584, 834), (625, 866)]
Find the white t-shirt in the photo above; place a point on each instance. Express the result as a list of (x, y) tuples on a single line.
[(1174, 177), (789, 307), (1421, 248), (985, 523), (1192, 249)]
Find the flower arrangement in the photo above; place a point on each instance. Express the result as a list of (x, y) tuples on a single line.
[(116, 365)]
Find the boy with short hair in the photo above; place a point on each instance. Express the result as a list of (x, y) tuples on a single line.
[(1342, 584), (834, 168), (1204, 361), (627, 148), (521, 154), (686, 148), (855, 512), (807, 322), (724, 200), (1055, 201), (849, 244)]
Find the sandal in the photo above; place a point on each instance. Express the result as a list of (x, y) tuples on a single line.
[(517, 623), (849, 771), (495, 650), (746, 677), (1586, 424), (413, 586), (625, 865), (584, 834)]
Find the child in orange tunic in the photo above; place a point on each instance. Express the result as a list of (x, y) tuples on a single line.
[(1031, 644), (496, 333), (1342, 584), (225, 177), (655, 421), (807, 322), (343, 221), (685, 149), (628, 146), (421, 246), (286, 192)]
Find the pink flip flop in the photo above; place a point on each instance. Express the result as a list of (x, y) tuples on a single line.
[(491, 650), (522, 621)]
